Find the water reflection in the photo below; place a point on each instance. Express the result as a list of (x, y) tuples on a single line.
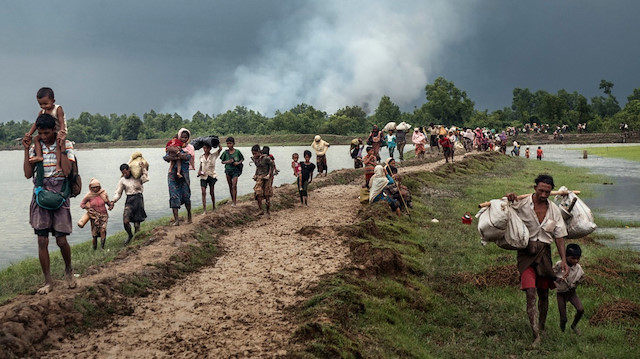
[(620, 200)]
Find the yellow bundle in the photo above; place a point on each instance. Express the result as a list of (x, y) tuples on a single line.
[(138, 165)]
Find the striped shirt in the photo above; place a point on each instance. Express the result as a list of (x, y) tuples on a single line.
[(49, 155)]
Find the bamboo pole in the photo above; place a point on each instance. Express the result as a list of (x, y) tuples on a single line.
[(523, 196)]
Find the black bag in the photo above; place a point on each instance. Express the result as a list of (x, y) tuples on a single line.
[(354, 152), (47, 199), (370, 141), (74, 179)]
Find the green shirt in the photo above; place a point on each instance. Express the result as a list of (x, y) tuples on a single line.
[(237, 157)]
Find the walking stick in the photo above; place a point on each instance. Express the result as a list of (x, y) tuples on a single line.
[(404, 203)]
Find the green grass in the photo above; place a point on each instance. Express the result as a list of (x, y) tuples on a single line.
[(25, 276), (631, 153), (428, 306)]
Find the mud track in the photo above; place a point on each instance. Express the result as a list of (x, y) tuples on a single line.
[(238, 305)]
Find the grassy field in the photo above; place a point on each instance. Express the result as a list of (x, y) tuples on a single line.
[(431, 290), (631, 153)]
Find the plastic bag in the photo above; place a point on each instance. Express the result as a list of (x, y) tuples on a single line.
[(577, 216), (403, 126)]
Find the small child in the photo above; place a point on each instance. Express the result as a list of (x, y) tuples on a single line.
[(306, 176), (539, 153), (208, 175), (527, 153), (47, 102), (297, 169), (566, 286), (391, 142), (95, 202), (175, 142)]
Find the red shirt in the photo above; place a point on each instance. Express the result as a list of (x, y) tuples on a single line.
[(539, 152), (444, 142)]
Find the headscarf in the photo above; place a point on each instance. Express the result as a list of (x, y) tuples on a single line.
[(319, 145), (377, 182), (91, 195), (188, 148)]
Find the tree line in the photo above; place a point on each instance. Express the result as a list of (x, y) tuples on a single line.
[(445, 104)]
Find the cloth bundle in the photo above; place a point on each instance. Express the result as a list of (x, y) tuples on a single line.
[(138, 166), (577, 216), (500, 223)]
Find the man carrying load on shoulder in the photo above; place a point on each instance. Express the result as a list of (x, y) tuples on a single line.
[(545, 224), (45, 221)]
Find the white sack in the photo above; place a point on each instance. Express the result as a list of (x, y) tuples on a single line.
[(517, 234), (492, 220), (403, 126), (389, 126), (579, 221)]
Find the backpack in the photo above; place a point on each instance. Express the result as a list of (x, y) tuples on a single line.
[(75, 181)]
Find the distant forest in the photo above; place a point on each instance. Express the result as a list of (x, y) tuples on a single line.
[(445, 104)]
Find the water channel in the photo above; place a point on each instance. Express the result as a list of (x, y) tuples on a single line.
[(17, 241)]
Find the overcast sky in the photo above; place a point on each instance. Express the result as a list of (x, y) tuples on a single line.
[(133, 56)]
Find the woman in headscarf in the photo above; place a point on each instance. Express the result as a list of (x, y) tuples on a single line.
[(377, 184), (419, 140), (179, 190), (96, 202), (376, 137)]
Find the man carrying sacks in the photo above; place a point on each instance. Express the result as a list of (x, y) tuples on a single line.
[(544, 221)]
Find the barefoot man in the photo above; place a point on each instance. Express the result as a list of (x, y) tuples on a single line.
[(545, 224), (45, 221)]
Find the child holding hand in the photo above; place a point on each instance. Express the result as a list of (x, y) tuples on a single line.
[(297, 169), (96, 202), (566, 286), (47, 102)]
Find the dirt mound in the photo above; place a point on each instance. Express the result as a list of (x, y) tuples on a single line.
[(622, 311), (502, 276), (373, 261)]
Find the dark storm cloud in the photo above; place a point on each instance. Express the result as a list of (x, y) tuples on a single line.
[(126, 57), (546, 45)]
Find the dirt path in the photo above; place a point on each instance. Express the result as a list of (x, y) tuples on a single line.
[(239, 306)]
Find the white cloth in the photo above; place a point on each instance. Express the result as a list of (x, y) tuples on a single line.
[(571, 281), (129, 185), (552, 225), (377, 182), (209, 164)]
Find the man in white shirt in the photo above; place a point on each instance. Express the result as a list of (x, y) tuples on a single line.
[(545, 224)]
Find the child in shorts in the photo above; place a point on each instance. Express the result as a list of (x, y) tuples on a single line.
[(566, 286), (46, 100)]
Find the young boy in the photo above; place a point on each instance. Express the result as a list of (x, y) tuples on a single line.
[(47, 102), (539, 153), (566, 286), (306, 176), (207, 174), (527, 153)]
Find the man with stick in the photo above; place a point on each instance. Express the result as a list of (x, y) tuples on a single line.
[(545, 224)]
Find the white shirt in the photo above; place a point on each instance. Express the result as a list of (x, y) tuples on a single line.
[(209, 164), (552, 225)]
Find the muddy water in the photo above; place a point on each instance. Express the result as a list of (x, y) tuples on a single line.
[(617, 200), (18, 241)]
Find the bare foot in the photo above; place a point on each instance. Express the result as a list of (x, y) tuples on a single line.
[(189, 221), (71, 280), (175, 223), (179, 175), (45, 289), (576, 330), (536, 342)]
